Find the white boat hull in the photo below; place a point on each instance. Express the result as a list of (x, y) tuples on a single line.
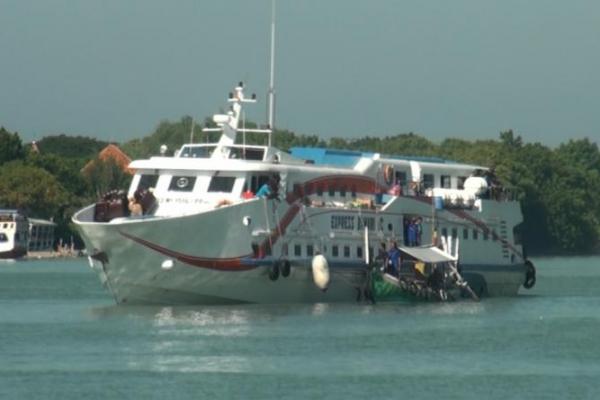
[(212, 263)]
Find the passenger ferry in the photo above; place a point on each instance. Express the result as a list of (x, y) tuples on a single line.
[(230, 222), (14, 234)]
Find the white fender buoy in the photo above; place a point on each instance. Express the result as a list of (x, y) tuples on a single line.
[(167, 264), (320, 270)]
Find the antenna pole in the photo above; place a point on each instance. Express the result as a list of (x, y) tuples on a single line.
[(272, 73), (192, 131)]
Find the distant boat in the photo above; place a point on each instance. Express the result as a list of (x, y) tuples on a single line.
[(14, 234)]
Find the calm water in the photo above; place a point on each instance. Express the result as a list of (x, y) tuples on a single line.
[(61, 337)]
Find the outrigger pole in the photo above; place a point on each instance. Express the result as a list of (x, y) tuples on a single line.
[(271, 99)]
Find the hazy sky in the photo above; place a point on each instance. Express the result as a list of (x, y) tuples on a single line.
[(463, 68)]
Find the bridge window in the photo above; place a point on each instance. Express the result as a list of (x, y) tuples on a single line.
[(347, 251), (182, 183), (246, 153), (221, 184), (197, 152)]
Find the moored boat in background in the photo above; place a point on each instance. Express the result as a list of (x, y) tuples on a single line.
[(14, 228)]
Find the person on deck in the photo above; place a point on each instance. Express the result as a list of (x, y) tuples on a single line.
[(394, 259), (396, 190), (419, 230), (265, 190), (412, 233)]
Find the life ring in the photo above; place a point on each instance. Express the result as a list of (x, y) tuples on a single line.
[(285, 268), (388, 174), (274, 271), (529, 275)]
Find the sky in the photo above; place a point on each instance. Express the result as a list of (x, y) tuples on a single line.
[(114, 69)]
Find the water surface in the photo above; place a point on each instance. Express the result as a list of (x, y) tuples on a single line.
[(63, 338)]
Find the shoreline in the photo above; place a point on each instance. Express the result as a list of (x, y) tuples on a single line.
[(50, 254)]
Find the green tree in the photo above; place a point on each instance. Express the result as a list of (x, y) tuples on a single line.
[(31, 189), (103, 176), (11, 147), (71, 146)]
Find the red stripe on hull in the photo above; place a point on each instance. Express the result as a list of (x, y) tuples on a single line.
[(220, 264)]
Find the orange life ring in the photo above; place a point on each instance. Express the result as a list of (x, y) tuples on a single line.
[(388, 174)]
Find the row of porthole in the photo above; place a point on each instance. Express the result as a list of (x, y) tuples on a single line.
[(335, 251)]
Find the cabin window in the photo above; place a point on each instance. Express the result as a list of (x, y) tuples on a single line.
[(343, 191), (309, 250), (465, 233), (147, 181), (517, 234), (460, 182), (401, 178), (320, 190), (298, 190), (284, 249), (309, 189), (444, 232), (486, 235), (4, 225), (256, 182), (454, 233), (390, 227), (335, 251), (475, 234), (3, 238), (347, 251), (445, 181), (428, 181), (359, 252), (297, 250), (221, 184), (353, 193), (182, 183), (331, 189)]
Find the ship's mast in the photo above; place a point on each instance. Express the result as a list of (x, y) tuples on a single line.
[(271, 99)]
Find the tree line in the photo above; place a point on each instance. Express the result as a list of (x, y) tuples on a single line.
[(558, 188)]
